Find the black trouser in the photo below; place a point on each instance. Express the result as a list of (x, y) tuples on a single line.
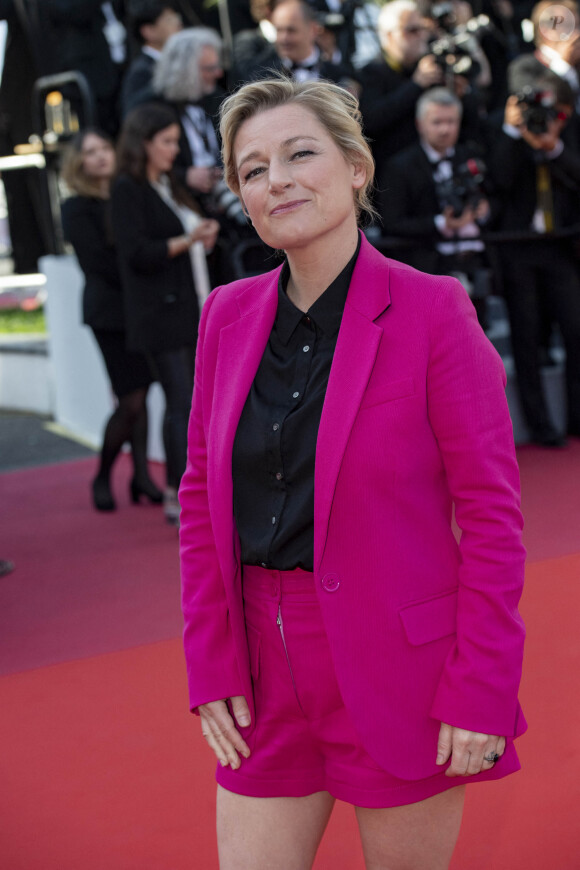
[(550, 269), (174, 370)]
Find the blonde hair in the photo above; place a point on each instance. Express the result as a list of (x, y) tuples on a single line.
[(73, 172), (336, 109)]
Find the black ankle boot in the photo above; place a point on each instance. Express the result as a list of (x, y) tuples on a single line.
[(102, 496), (147, 489)]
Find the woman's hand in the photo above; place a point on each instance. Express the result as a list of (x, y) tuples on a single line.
[(202, 178), (206, 233), (219, 729), (468, 750)]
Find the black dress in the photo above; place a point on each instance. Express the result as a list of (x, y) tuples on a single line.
[(85, 221)]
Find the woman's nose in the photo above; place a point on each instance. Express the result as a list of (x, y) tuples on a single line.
[(279, 176)]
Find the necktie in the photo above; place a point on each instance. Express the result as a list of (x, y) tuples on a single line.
[(544, 200)]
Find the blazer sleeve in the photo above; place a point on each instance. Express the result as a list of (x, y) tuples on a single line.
[(136, 244), (468, 412), (211, 660), (384, 100), (84, 228)]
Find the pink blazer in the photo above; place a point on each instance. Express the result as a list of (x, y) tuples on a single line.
[(422, 629)]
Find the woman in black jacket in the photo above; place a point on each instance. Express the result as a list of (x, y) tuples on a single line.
[(157, 228), (88, 169)]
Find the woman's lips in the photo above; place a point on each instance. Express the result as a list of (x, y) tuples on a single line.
[(287, 206)]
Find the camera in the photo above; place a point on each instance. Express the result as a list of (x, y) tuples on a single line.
[(222, 202), (463, 189), (456, 49), (538, 108), (453, 58)]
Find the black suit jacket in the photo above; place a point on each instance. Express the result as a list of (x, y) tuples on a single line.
[(136, 87), (84, 222), (269, 63), (513, 167), (81, 43), (387, 102), (408, 204), (161, 307)]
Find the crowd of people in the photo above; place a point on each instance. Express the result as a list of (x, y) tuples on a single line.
[(471, 114)]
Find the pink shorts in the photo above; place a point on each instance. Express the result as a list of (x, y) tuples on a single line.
[(304, 741)]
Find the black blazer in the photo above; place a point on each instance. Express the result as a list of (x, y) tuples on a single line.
[(84, 221), (513, 168), (408, 203), (267, 63), (136, 87), (161, 307), (387, 103)]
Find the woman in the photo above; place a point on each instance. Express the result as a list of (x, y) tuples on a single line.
[(88, 169), (157, 228), (340, 643)]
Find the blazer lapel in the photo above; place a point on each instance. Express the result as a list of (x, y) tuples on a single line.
[(241, 346), (354, 357)]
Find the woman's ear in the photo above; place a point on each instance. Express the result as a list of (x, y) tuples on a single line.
[(359, 175)]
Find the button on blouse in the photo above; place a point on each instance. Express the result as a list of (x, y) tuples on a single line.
[(275, 443)]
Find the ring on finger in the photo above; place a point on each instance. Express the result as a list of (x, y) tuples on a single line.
[(491, 758)]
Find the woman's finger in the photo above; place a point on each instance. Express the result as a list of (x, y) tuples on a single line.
[(460, 754), (220, 731), (444, 743), (213, 744), (473, 752), (493, 752)]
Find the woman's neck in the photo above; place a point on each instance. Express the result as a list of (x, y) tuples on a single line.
[(314, 268), (153, 175), (104, 186)]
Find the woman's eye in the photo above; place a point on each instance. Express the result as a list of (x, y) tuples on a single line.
[(253, 172), (300, 154)]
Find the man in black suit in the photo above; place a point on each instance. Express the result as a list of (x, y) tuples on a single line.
[(152, 23), (538, 177), (296, 52), (419, 197), (394, 81)]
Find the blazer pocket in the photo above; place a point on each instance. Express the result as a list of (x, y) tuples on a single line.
[(429, 620), (388, 392)]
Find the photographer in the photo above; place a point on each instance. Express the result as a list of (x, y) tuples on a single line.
[(297, 53), (394, 81), (538, 178), (432, 193), (457, 44)]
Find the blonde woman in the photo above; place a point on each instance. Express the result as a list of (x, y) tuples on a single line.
[(88, 169), (340, 642)]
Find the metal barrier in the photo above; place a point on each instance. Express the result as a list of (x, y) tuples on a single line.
[(44, 149)]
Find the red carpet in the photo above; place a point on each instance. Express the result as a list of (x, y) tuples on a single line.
[(102, 768)]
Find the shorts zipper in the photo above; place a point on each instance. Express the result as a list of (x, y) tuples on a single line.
[(280, 625)]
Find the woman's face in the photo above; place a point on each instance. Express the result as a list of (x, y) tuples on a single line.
[(162, 150), (98, 157), (296, 184)]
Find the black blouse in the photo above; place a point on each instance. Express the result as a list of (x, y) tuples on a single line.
[(275, 444)]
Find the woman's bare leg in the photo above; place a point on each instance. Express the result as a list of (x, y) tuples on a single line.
[(270, 833), (413, 837)]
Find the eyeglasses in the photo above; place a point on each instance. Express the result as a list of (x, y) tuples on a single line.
[(413, 30)]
